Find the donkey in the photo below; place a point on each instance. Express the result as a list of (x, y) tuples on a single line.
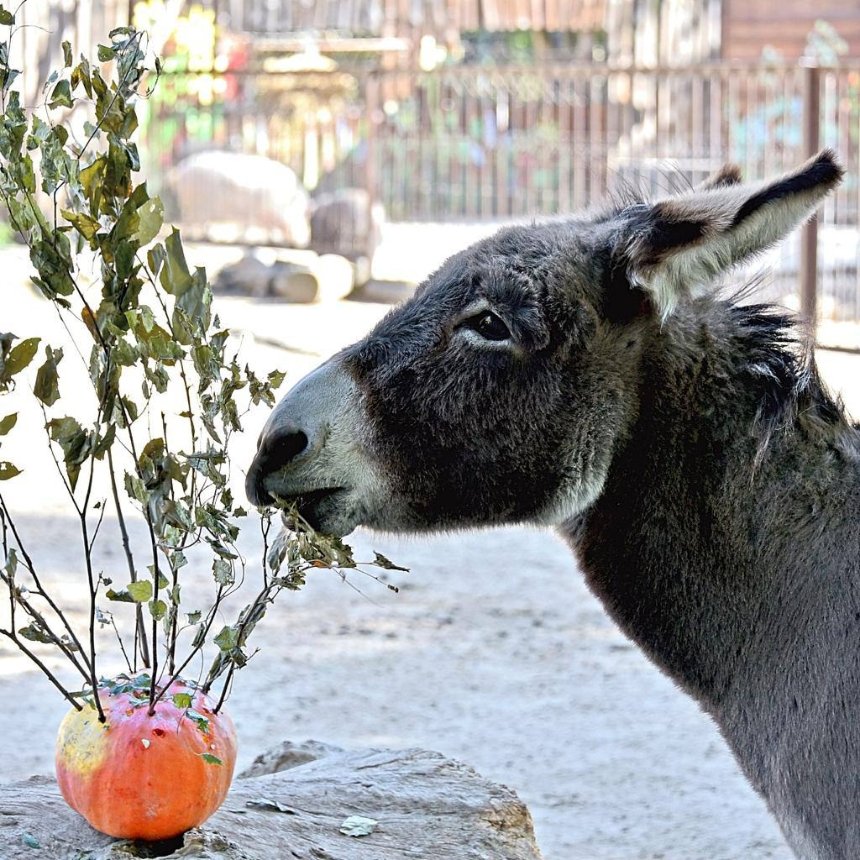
[(571, 373)]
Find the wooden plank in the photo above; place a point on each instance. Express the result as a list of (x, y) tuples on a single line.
[(826, 10), (781, 29)]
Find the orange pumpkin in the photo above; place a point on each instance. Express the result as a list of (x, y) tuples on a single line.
[(137, 776)]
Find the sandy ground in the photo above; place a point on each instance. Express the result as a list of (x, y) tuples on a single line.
[(493, 652)]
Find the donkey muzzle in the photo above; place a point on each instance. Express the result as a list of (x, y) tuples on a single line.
[(294, 458)]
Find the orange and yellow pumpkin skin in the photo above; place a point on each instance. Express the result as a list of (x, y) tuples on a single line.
[(137, 776)]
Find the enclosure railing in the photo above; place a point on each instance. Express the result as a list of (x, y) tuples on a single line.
[(499, 143)]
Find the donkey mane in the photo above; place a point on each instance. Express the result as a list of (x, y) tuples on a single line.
[(780, 368)]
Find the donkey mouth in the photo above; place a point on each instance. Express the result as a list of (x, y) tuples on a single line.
[(311, 505)]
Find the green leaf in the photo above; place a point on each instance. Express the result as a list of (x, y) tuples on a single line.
[(67, 54), (211, 759), (7, 423), (222, 570), (7, 470), (151, 216), (202, 722), (276, 377), (61, 96), (136, 489), (34, 632), (7, 77), (175, 276), (92, 182), (140, 591), (105, 443), (83, 223), (81, 75), (182, 700), (194, 617), (119, 596), (227, 639), (106, 54), (20, 356), (46, 387), (11, 565), (75, 442), (7, 19), (147, 318), (158, 609)]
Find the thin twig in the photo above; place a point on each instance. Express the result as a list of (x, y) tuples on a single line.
[(28, 562), (141, 643), (50, 675), (98, 526)]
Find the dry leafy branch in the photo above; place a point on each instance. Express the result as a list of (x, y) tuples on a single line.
[(140, 320)]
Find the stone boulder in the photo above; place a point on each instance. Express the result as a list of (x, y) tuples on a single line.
[(236, 197), (308, 802)]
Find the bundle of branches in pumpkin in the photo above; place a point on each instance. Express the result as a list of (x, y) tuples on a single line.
[(149, 752)]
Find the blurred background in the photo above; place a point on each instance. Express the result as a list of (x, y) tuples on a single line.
[(339, 124)]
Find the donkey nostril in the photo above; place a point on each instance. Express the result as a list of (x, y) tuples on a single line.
[(282, 449), (275, 451)]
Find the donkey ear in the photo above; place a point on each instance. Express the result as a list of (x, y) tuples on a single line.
[(684, 241), (728, 174)]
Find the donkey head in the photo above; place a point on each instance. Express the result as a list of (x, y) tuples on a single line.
[(498, 393)]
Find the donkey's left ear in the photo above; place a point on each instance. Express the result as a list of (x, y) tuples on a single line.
[(682, 242)]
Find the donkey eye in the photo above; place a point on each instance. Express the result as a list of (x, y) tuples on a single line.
[(489, 326)]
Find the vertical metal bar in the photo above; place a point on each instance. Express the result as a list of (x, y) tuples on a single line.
[(371, 91), (809, 234)]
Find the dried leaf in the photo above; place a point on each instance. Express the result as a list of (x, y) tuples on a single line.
[(386, 564), (46, 387), (20, 356), (269, 805), (7, 470)]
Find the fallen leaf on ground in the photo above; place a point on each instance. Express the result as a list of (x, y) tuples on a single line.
[(358, 825)]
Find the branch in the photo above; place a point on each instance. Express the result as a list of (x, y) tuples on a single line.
[(50, 675), (39, 588), (140, 640)]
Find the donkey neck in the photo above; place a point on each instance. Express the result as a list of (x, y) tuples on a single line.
[(672, 546)]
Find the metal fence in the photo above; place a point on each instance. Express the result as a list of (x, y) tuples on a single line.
[(496, 143)]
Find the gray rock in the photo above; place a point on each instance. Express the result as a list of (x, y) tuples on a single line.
[(425, 805), (348, 223), (232, 196)]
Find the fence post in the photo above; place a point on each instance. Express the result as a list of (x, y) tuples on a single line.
[(371, 97), (809, 234)]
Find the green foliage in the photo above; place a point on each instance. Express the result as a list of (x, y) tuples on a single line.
[(147, 333)]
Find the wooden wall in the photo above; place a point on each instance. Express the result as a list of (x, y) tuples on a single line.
[(407, 17), (749, 26)]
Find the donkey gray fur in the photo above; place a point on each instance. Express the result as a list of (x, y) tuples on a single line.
[(566, 373)]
